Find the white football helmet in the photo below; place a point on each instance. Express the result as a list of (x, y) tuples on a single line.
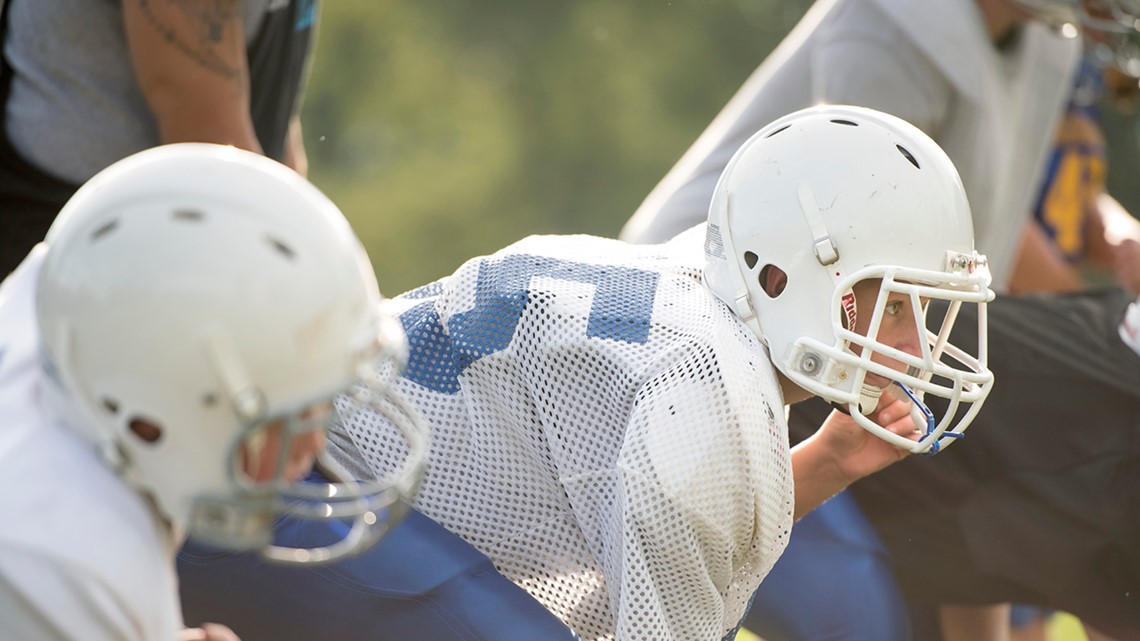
[(1111, 27), (833, 195), (217, 295)]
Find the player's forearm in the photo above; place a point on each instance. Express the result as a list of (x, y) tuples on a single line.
[(817, 474), (295, 156), (1117, 223), (190, 62), (199, 121), (1040, 267)]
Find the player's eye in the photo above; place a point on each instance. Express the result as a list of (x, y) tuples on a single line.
[(893, 307)]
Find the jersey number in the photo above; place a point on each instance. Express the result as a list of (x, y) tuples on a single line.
[(621, 311)]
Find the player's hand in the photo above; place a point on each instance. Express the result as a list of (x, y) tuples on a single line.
[(858, 452), (208, 632), (1126, 264)]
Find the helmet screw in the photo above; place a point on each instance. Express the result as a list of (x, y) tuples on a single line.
[(810, 364), (249, 404)]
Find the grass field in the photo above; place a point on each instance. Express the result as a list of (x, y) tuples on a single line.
[(1063, 627)]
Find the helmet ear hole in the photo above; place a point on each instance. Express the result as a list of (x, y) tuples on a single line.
[(773, 280), (104, 229), (909, 156), (146, 430), (111, 405)]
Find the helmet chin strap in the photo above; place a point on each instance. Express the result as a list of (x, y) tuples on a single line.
[(919, 412), (869, 398), (827, 254), (868, 401), (923, 417)]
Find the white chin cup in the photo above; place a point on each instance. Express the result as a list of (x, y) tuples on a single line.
[(869, 398)]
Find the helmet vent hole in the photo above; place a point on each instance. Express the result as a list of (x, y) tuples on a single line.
[(750, 259), (189, 215), (209, 399), (777, 131), (845, 122), (147, 431), (773, 280), (281, 248), (111, 405), (103, 230), (909, 156)]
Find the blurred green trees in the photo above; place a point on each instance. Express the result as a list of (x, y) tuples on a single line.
[(447, 129)]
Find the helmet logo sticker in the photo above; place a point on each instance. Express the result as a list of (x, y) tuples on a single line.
[(847, 303), (714, 244)]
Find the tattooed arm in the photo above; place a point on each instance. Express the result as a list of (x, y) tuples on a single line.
[(190, 60), (295, 155)]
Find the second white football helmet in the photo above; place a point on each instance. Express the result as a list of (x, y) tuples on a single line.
[(194, 300), (831, 196)]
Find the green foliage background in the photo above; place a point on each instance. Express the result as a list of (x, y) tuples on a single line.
[(446, 129)]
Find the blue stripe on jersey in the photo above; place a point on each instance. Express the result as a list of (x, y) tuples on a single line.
[(621, 311), (431, 361)]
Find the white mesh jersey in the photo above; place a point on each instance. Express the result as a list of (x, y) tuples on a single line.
[(82, 555), (603, 428)]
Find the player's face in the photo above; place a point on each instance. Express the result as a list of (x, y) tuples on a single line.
[(261, 452), (899, 327)]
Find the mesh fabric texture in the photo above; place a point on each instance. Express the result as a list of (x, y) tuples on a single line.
[(603, 428)]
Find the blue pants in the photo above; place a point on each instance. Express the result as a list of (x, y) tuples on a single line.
[(422, 582), (833, 583), (419, 582)]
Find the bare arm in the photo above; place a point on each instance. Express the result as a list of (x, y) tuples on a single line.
[(974, 622), (295, 156), (1039, 266), (1114, 242), (208, 632), (841, 453), (190, 60)]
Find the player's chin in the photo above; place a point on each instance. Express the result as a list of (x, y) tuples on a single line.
[(882, 382), (877, 381)]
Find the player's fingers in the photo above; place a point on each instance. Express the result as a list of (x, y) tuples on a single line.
[(1127, 256), (218, 632), (896, 417), (891, 409)]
